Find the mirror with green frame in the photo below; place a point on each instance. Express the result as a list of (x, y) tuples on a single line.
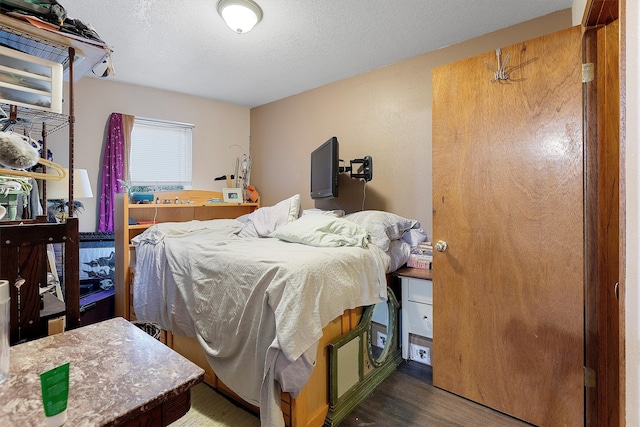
[(363, 357), (379, 332)]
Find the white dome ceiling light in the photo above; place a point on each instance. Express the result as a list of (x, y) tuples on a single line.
[(240, 15)]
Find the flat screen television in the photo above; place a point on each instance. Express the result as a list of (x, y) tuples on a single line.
[(325, 168)]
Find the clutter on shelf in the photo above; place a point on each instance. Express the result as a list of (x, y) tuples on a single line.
[(421, 256)]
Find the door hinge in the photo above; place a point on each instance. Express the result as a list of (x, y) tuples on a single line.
[(589, 377), (588, 72)]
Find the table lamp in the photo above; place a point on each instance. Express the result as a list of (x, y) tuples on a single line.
[(59, 190)]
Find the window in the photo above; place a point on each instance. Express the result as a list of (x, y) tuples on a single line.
[(160, 155)]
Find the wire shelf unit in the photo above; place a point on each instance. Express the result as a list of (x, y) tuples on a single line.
[(27, 43), (31, 122)]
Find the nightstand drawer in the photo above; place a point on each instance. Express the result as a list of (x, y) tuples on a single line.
[(419, 290), (420, 318)]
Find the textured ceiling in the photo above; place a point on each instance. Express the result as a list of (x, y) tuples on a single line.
[(184, 46)]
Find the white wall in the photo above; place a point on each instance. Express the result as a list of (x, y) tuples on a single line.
[(384, 113), (632, 176), (217, 127), (578, 11)]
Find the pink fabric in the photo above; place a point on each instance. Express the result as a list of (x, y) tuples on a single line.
[(112, 171)]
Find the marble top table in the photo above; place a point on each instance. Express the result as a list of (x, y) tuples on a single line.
[(119, 376)]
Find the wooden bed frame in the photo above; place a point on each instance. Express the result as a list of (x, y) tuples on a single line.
[(320, 402), (310, 408)]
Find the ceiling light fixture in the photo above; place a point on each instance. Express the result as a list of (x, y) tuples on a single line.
[(240, 15)]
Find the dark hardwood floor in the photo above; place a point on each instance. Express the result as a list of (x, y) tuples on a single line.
[(408, 398)]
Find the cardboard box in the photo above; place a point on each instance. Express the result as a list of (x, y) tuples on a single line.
[(420, 261)]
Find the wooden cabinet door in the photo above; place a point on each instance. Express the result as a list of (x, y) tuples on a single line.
[(508, 200)]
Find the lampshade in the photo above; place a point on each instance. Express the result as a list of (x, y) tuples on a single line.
[(81, 186), (240, 15)]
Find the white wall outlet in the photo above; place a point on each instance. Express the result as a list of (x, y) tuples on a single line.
[(381, 340), (420, 354)]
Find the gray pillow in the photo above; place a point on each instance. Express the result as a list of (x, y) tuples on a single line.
[(383, 227)]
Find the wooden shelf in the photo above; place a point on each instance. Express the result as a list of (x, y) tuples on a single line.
[(185, 205), (417, 273), (140, 226)]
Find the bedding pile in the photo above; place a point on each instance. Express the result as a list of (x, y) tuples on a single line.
[(257, 305), (392, 233)]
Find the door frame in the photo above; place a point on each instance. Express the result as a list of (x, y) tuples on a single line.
[(604, 400)]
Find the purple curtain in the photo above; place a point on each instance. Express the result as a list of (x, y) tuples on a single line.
[(113, 169)]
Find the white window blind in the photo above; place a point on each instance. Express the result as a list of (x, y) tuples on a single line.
[(160, 154)]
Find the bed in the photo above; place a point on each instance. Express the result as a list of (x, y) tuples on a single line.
[(265, 296)]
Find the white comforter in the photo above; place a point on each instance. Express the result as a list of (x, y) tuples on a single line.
[(256, 305)]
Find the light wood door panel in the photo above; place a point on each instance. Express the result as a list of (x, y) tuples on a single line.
[(508, 200)]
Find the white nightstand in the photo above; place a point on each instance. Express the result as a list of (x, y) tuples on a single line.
[(417, 305)]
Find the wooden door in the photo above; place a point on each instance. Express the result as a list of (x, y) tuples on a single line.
[(508, 200)]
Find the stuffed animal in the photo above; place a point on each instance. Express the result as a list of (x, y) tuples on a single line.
[(253, 193), (16, 152)]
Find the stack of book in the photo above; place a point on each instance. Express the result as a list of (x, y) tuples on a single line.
[(421, 256)]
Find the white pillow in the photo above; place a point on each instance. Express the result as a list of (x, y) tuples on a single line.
[(383, 227), (399, 252), (323, 231), (415, 236), (263, 221)]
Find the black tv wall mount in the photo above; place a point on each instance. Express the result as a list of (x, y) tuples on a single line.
[(364, 171)]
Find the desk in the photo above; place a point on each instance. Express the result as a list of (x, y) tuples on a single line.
[(119, 376)]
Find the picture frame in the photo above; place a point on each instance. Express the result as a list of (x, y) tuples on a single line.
[(232, 195)]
